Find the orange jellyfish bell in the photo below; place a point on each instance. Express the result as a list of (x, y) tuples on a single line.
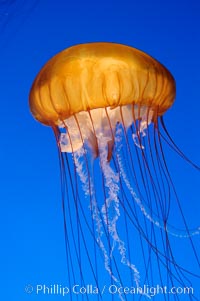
[(99, 75)]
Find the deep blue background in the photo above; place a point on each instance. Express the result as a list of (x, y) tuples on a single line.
[(32, 244)]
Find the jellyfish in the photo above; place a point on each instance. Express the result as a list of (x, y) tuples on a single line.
[(105, 103)]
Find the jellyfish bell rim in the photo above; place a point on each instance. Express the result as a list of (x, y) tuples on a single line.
[(125, 74)]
